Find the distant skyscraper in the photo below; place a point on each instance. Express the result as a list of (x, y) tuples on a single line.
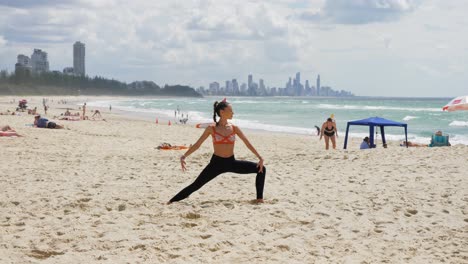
[(24, 60), (250, 88), (318, 84), (39, 61), (235, 87), (23, 66), (228, 88), (79, 58)]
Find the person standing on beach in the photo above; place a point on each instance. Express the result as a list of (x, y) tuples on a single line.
[(84, 111), (329, 132), (223, 160)]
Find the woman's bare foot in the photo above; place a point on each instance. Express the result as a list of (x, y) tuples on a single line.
[(257, 201)]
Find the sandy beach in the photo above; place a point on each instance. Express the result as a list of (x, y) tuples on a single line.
[(95, 192)]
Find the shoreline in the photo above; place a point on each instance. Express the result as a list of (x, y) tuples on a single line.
[(152, 114), (74, 102)]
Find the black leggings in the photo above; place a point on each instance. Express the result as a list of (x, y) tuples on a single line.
[(220, 165)]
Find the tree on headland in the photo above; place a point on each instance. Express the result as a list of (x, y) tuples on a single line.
[(24, 82)]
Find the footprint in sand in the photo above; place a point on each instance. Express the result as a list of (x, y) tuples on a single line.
[(122, 207), (191, 216), (411, 212), (40, 254), (229, 205)]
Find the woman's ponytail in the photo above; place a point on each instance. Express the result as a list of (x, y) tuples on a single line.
[(214, 112), (218, 106)]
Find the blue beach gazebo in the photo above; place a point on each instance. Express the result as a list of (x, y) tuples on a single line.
[(372, 122)]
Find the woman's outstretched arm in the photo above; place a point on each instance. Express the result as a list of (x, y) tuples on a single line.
[(321, 131), (250, 147), (195, 146)]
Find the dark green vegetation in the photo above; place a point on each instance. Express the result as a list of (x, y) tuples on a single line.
[(56, 83)]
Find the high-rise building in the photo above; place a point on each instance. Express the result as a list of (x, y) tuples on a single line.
[(214, 88), (250, 85), (24, 60), (79, 58), (318, 85), (235, 87), (39, 61), (228, 90), (23, 66)]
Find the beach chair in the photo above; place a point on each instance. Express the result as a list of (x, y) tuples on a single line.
[(439, 141)]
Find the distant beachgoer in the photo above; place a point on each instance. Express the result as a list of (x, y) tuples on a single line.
[(96, 113), (365, 143), (45, 109), (439, 140), (8, 131), (5, 128), (318, 130), (412, 144), (329, 132), (84, 111), (223, 160), (110, 108), (45, 123)]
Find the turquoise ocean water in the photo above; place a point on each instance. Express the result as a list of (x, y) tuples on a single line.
[(299, 115)]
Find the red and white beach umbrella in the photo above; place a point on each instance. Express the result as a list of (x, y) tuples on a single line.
[(459, 103)]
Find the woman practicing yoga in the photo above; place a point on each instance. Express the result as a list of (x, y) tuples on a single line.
[(224, 136)]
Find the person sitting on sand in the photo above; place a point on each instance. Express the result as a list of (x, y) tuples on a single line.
[(45, 123), (439, 140), (67, 113), (223, 160), (6, 128), (8, 131), (365, 143), (32, 111)]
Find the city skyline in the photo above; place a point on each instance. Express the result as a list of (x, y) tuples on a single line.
[(372, 47), (293, 87)]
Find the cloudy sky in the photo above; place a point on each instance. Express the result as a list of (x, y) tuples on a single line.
[(369, 47)]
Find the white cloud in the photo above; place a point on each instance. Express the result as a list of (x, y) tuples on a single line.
[(197, 42), (3, 41), (360, 11)]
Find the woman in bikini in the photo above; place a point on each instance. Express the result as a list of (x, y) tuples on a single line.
[(223, 160), (329, 131)]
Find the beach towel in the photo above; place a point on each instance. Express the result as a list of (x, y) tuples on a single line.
[(173, 147)]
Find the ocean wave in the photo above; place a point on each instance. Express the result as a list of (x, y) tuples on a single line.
[(142, 109), (459, 123), (407, 118), (371, 107)]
